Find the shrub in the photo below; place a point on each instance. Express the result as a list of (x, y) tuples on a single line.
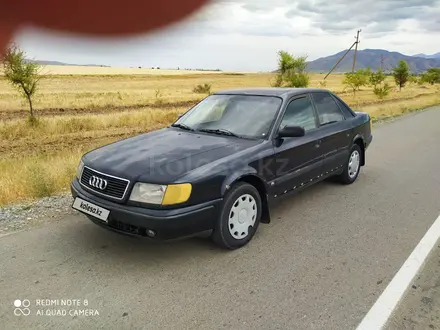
[(381, 91), (420, 81), (413, 79), (291, 71), (297, 80), (202, 89), (278, 81)]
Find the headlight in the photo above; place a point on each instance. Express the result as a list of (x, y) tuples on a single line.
[(148, 193), (79, 169), (160, 194)]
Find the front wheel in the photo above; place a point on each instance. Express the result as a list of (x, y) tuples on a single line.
[(353, 166), (239, 217)]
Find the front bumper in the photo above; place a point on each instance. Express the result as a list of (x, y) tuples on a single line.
[(167, 224)]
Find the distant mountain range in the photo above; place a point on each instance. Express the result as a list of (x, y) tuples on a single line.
[(372, 58), (436, 55), (61, 63)]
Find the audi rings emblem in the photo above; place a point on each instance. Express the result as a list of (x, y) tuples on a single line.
[(99, 183)]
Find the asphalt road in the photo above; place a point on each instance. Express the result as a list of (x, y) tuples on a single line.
[(420, 307), (321, 263)]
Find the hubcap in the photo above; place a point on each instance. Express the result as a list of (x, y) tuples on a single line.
[(242, 216), (353, 164)]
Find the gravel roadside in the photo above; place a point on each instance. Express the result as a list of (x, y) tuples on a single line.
[(22, 216)]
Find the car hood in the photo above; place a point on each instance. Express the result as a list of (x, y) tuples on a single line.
[(162, 155)]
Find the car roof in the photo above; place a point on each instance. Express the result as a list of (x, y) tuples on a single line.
[(283, 92)]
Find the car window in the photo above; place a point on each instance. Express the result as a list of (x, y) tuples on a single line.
[(347, 112), (248, 116), (327, 108), (299, 112)]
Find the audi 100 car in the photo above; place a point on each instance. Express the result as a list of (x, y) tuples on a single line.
[(222, 166)]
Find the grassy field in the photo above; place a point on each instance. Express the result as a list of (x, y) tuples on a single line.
[(90, 107), (70, 70)]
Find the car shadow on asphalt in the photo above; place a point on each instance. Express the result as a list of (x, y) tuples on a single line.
[(94, 237)]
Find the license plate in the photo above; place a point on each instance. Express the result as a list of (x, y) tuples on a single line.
[(90, 208)]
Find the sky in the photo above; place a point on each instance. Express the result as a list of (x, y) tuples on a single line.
[(245, 35)]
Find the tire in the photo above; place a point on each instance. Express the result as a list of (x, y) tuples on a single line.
[(352, 166), (232, 231)]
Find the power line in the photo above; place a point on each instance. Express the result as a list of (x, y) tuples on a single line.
[(354, 60)]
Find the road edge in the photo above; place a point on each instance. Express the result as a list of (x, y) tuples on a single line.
[(379, 314), (414, 112)]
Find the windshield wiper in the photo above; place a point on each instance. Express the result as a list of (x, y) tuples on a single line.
[(183, 126), (220, 131)]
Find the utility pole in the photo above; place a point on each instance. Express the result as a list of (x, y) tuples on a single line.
[(334, 67), (381, 62), (355, 50)]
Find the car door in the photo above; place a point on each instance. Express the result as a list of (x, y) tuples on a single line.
[(334, 131), (298, 160)]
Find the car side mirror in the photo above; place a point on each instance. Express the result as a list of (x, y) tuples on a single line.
[(291, 131)]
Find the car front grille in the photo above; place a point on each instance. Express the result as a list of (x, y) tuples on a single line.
[(114, 188)]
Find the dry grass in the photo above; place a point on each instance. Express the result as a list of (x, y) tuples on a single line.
[(36, 177), (57, 126), (105, 71), (104, 93), (84, 111), (18, 139), (387, 110)]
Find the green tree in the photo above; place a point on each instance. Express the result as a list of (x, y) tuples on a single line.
[(291, 70), (355, 80), (380, 88), (377, 78), (401, 74), (364, 75), (22, 74), (432, 76)]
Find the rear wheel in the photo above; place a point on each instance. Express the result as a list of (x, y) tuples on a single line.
[(239, 217), (353, 166)]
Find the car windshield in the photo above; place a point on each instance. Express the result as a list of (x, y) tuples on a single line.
[(247, 116)]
